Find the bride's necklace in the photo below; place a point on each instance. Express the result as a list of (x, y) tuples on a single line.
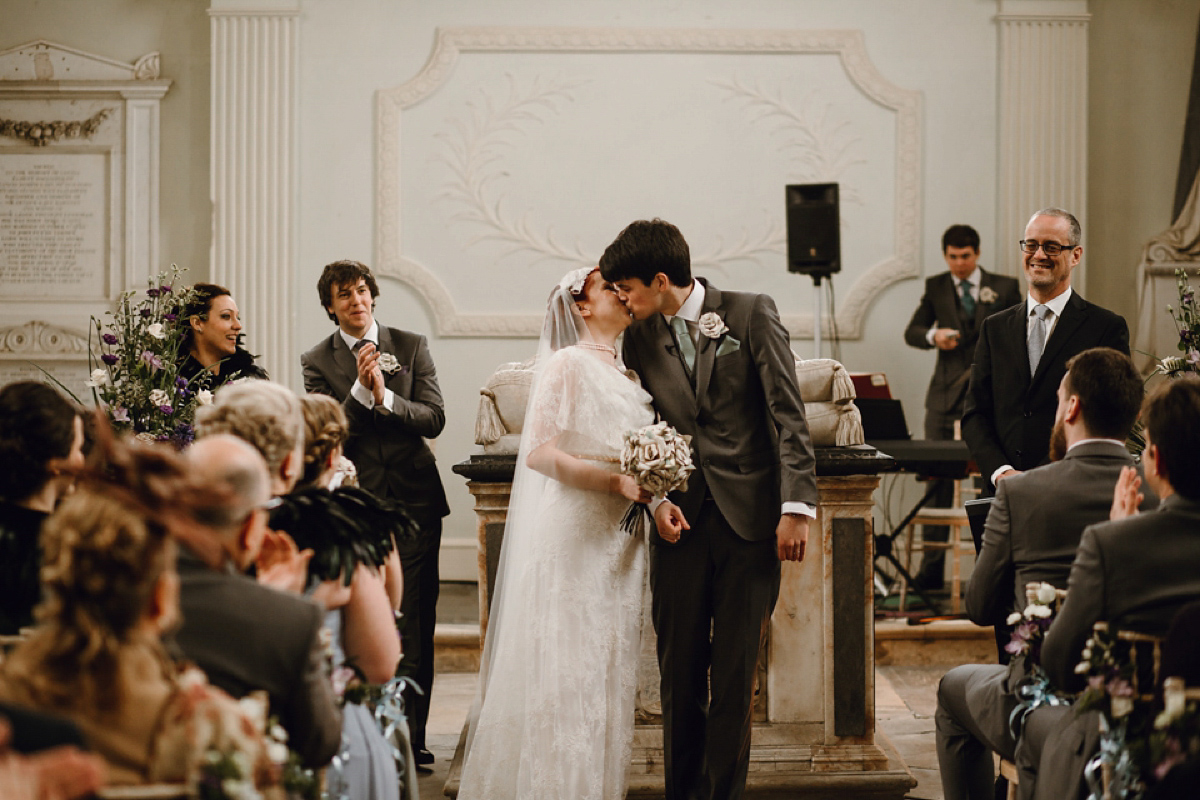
[(603, 348)]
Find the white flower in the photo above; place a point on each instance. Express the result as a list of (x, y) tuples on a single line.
[(99, 378), (159, 398), (1036, 610), (987, 295), (277, 731), (388, 363), (1086, 654), (277, 752), (1082, 668), (1046, 593), (712, 326), (1013, 618), (1121, 706), (574, 280), (156, 330), (204, 397)]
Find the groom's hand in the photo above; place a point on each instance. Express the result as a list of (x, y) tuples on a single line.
[(792, 537), (670, 521)]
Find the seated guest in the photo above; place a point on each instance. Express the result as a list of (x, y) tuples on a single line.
[(212, 333), (1032, 532), (1134, 573), (41, 448), (247, 636), (96, 657)]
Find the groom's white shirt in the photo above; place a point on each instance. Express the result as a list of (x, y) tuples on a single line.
[(359, 392), (690, 312)]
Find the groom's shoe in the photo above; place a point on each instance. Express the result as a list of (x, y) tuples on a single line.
[(423, 758)]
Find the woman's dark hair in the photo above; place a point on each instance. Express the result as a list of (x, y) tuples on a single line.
[(1172, 417), (199, 302), (37, 424), (646, 248), (341, 273)]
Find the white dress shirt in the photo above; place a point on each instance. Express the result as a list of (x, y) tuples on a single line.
[(359, 392)]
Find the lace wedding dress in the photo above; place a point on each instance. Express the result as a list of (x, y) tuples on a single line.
[(560, 664)]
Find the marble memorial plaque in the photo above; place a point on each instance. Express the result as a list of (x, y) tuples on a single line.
[(54, 224)]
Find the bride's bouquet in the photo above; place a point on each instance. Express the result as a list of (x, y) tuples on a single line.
[(659, 458)]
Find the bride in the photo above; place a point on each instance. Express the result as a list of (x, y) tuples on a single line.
[(558, 678)]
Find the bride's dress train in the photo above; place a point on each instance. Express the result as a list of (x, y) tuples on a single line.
[(557, 716)]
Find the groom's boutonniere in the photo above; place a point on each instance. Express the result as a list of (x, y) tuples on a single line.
[(987, 295), (389, 364), (712, 326)]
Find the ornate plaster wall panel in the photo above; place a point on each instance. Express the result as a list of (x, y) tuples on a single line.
[(518, 153), (79, 177)]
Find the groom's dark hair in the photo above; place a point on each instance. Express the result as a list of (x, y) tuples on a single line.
[(646, 248)]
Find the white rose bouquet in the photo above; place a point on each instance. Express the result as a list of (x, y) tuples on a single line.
[(659, 458)]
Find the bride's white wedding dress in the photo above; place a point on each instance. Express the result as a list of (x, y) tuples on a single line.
[(557, 714)]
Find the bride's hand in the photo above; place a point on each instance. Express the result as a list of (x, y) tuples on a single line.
[(627, 487)]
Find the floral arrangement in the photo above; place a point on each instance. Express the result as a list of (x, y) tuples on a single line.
[(1176, 736), (1187, 323), (135, 365), (659, 458), (1042, 601)]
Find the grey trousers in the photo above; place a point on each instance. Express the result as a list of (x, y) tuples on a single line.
[(971, 721)]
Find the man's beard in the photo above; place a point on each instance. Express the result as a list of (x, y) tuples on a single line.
[(1058, 441)]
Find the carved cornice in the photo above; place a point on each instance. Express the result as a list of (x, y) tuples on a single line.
[(37, 338), (451, 43), (43, 61)]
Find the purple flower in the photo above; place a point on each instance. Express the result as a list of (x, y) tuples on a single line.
[(120, 414), (181, 381), (1186, 295), (170, 317), (167, 410), (152, 292), (109, 338), (152, 361), (165, 289), (1193, 357), (145, 312), (109, 358)]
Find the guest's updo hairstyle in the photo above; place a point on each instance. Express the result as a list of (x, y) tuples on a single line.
[(340, 273), (103, 552), (264, 414), (325, 428), (37, 425), (1172, 418), (198, 302)]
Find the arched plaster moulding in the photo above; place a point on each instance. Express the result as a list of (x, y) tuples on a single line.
[(451, 43)]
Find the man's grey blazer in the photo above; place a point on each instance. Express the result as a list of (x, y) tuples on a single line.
[(749, 436), (387, 445), (1034, 526)]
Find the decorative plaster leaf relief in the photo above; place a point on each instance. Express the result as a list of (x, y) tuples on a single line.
[(147, 67), (821, 147), (41, 338), (476, 148)]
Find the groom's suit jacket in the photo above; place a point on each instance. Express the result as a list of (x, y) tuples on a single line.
[(387, 445), (1009, 414), (750, 440), (941, 305)]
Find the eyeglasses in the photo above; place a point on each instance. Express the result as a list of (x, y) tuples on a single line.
[(1049, 248)]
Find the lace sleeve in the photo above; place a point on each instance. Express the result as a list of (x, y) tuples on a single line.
[(553, 406)]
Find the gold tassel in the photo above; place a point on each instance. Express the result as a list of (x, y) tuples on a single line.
[(488, 425)]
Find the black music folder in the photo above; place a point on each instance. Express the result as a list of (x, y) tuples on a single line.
[(977, 513)]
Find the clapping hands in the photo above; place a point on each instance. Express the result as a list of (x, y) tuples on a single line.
[(1127, 495), (281, 564), (369, 373)]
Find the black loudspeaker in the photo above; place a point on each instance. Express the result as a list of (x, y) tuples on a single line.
[(814, 229)]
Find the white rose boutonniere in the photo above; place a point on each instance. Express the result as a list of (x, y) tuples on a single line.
[(389, 364), (712, 326), (987, 295)]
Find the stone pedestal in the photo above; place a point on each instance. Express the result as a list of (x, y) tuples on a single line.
[(814, 729)]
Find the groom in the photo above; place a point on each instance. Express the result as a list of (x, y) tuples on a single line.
[(720, 369)]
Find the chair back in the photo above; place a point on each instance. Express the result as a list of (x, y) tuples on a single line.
[(154, 791)]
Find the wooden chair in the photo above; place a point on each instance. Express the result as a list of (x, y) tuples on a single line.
[(154, 791), (955, 545)]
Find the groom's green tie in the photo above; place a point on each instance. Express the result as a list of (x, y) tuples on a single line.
[(687, 348)]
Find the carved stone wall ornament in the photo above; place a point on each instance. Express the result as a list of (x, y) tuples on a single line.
[(821, 146), (40, 134), (37, 338)]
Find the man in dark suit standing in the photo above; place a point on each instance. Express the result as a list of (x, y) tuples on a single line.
[(1134, 572), (952, 309), (386, 381), (1032, 533), (1022, 352), (720, 369)]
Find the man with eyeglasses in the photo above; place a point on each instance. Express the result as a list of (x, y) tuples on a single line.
[(1023, 351)]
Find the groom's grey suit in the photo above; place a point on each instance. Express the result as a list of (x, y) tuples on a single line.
[(753, 453)]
